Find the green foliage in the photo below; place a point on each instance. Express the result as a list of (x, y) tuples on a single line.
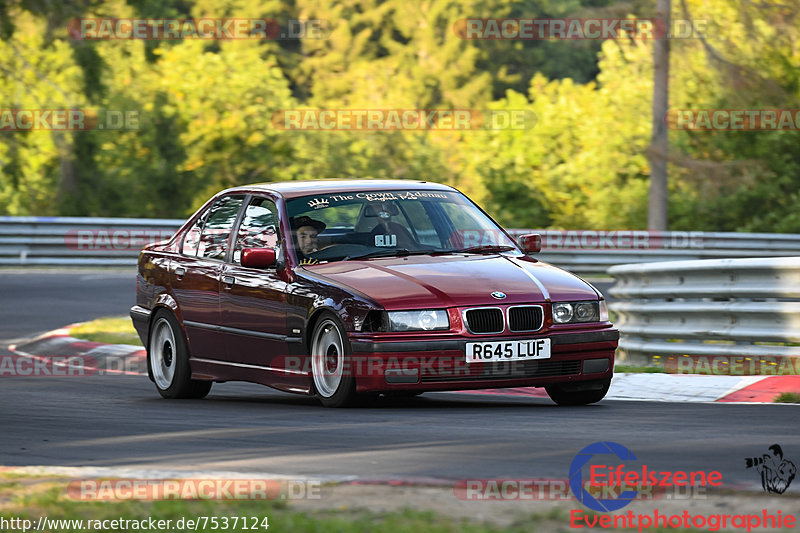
[(205, 109), (788, 397)]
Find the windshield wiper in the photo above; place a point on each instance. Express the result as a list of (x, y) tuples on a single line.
[(484, 249), (403, 252), (397, 252)]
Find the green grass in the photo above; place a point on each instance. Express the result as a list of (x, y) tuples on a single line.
[(46, 496), (111, 330), (788, 397), (639, 369)]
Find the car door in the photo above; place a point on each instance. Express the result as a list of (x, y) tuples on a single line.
[(195, 276), (253, 300)]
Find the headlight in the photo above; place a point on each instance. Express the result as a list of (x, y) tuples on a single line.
[(425, 320), (565, 313), (586, 312), (562, 313)]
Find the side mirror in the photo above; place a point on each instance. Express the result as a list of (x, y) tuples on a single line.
[(258, 257), (531, 243)]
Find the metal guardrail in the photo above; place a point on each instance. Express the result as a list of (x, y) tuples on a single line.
[(78, 241), (736, 307), (593, 252), (64, 241)]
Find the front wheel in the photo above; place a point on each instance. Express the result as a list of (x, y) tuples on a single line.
[(168, 357), (579, 392), (334, 384)]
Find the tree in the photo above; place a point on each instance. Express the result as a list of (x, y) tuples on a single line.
[(659, 146)]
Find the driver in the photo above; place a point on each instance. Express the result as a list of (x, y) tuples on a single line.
[(306, 230)]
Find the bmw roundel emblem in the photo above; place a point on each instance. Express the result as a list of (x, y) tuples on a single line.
[(498, 295)]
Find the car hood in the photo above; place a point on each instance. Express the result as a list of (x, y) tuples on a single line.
[(455, 281)]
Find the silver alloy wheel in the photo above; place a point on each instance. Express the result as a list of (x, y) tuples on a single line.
[(327, 358), (163, 353)]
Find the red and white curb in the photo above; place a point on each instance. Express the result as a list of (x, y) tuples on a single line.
[(93, 357), (683, 388)]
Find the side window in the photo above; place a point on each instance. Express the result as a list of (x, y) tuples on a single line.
[(259, 228), (191, 240), (217, 228)]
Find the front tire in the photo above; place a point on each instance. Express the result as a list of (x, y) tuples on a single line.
[(579, 392), (168, 359), (334, 384)]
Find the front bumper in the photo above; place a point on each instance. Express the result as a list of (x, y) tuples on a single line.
[(440, 364)]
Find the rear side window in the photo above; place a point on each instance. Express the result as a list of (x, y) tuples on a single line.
[(192, 238), (208, 237)]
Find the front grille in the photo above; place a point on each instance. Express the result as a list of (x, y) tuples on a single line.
[(488, 320), (507, 370), (525, 318)]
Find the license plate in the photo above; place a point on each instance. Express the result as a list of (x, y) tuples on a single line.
[(522, 350)]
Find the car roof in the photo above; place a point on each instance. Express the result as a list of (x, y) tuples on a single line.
[(293, 189)]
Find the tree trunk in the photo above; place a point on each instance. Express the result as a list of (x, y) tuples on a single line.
[(657, 212)]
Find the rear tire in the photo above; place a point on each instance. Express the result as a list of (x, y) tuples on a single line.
[(168, 360), (579, 392), (334, 383)]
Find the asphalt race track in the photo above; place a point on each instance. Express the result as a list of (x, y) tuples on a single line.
[(37, 301), (121, 420)]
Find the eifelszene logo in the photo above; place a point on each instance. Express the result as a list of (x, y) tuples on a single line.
[(576, 476), (776, 472), (617, 484)]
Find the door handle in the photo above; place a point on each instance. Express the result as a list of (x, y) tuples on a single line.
[(179, 272), (228, 281)]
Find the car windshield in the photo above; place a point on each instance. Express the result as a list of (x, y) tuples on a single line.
[(362, 225)]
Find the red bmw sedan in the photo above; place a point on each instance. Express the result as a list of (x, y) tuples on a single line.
[(348, 289)]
